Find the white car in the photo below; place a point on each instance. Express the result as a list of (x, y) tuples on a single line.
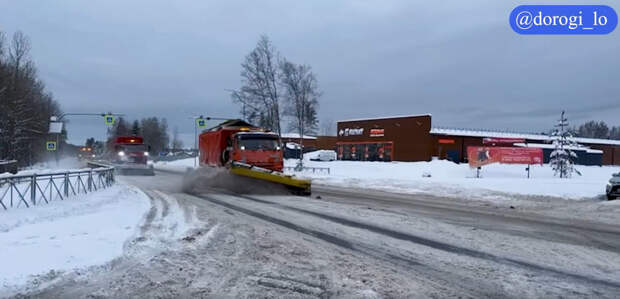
[(613, 187), (325, 155)]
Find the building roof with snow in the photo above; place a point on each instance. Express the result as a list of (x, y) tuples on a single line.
[(551, 146), (295, 136), (529, 136), (384, 117)]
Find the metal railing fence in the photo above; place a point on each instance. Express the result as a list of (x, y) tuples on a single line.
[(307, 169), (33, 189)]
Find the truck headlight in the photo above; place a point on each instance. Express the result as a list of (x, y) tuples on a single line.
[(146, 154), (121, 153)]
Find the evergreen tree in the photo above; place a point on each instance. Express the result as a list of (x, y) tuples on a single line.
[(135, 128), (562, 157)]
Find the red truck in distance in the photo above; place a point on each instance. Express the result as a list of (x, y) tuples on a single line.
[(130, 150)]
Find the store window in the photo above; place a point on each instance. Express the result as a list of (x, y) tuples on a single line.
[(365, 151)]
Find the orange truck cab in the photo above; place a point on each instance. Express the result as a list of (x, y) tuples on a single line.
[(239, 141)]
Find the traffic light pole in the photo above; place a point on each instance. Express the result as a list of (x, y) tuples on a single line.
[(196, 118), (195, 142), (59, 118)]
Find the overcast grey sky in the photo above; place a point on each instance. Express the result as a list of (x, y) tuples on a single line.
[(458, 60)]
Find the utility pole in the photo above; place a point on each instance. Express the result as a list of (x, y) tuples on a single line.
[(196, 141)]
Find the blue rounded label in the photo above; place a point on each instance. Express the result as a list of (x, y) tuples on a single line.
[(563, 19)]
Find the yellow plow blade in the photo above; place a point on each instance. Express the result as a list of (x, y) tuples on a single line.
[(300, 186)]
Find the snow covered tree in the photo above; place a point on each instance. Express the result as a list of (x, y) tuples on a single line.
[(562, 157)]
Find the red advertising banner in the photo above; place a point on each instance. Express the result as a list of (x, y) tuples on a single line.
[(482, 155), (502, 140)]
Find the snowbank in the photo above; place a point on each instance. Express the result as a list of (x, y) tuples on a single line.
[(497, 181), (82, 231), (447, 178), (178, 165), (65, 164)]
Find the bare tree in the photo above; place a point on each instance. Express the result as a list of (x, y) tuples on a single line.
[(25, 106), (259, 94), (177, 144), (593, 129), (328, 127), (301, 97), (614, 133), (155, 133)]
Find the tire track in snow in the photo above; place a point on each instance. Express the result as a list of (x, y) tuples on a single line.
[(474, 290), (400, 236)]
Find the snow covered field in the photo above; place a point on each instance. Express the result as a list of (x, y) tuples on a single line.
[(497, 181), (82, 231)]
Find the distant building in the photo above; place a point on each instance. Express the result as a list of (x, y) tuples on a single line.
[(311, 142), (412, 138)]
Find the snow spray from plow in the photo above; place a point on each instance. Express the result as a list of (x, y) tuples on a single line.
[(251, 155), (244, 179)]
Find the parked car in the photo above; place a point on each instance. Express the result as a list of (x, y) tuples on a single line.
[(613, 187), (325, 155)]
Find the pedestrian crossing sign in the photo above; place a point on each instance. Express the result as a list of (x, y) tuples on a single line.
[(201, 123), (50, 145), (109, 119)]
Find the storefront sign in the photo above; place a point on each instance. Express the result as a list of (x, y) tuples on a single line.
[(377, 132), (502, 140), (446, 141), (481, 155), (351, 132)]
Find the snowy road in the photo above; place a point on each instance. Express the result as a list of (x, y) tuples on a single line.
[(349, 243)]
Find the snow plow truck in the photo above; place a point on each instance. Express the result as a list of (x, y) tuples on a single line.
[(129, 155), (248, 151)]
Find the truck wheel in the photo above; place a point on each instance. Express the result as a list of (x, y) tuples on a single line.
[(225, 157), (609, 197)]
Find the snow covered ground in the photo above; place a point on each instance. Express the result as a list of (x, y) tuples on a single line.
[(445, 178), (65, 164), (496, 182), (79, 232), (179, 165)]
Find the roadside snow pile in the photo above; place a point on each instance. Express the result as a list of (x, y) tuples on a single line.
[(178, 165), (66, 164), (445, 178), (64, 235)]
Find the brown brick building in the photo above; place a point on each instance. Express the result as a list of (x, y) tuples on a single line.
[(412, 138), (402, 138)]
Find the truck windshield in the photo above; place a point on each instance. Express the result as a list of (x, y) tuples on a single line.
[(258, 142)]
